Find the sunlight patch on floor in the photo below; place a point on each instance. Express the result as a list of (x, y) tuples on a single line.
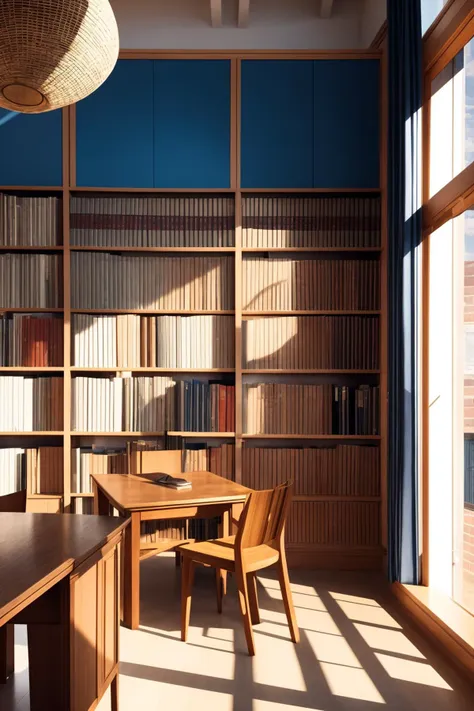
[(387, 640), (413, 671), (351, 683), (365, 613), (329, 648)]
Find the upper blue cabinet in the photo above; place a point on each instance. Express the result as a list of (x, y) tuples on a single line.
[(310, 124), (346, 123), (31, 148), (192, 123), (277, 124), (114, 129), (157, 123)]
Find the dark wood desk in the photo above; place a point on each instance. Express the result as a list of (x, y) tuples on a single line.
[(60, 576), (141, 500)]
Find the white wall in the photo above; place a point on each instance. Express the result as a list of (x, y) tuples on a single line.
[(374, 14), (274, 24)]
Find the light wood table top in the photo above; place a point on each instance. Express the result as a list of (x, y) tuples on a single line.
[(38, 550), (134, 493)]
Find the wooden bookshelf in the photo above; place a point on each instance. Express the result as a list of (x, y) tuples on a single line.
[(363, 511)]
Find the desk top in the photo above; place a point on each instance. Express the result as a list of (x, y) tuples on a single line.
[(134, 493), (38, 550)]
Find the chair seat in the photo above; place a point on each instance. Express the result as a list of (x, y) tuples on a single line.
[(221, 553)]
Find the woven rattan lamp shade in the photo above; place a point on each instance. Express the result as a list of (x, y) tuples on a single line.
[(54, 52)]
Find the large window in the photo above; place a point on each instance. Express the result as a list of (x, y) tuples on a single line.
[(449, 399), (452, 119)]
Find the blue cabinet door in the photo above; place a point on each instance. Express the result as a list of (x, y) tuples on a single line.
[(31, 148), (191, 123), (346, 123), (115, 129), (277, 124)]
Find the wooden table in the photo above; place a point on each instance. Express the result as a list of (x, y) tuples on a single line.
[(142, 500), (59, 574)]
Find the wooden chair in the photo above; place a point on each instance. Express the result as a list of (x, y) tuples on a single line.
[(162, 461), (157, 461), (258, 544)]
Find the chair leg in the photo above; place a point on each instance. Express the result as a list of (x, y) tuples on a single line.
[(244, 602), (187, 575), (219, 587), (253, 598), (114, 689), (287, 597)]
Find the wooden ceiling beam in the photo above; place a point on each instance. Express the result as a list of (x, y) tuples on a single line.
[(216, 13), (326, 9), (244, 13)]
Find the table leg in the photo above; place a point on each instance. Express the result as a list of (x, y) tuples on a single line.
[(101, 502), (7, 652), (224, 532), (131, 598)]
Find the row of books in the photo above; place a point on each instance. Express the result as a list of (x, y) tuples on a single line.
[(311, 342), (334, 523), (31, 403), (200, 529), (356, 410), (133, 341), (141, 404), (310, 221), (30, 280), (283, 408), (12, 470), (95, 460), (31, 340), (279, 284), (45, 469), (344, 470), (29, 221), (111, 281), (153, 221), (204, 407)]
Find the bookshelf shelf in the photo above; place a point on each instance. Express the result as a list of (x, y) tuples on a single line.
[(313, 191), (28, 248), (334, 437), (349, 250), (322, 497), (191, 250), (76, 369), (178, 191), (84, 495), (31, 369), (75, 433), (209, 435), (179, 312), (33, 310), (31, 188), (256, 314), (303, 371), (36, 433)]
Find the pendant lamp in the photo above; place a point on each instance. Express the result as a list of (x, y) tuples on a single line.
[(54, 52)]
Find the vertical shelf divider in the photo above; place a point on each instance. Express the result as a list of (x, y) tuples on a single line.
[(67, 143), (235, 133)]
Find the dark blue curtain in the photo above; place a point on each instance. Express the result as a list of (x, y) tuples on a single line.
[(404, 236)]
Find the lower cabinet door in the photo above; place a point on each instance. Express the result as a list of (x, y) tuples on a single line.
[(94, 599)]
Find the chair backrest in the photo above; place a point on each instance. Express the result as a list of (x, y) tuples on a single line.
[(264, 516), (161, 461), (13, 503)]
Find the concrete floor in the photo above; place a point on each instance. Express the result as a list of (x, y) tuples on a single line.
[(356, 653)]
